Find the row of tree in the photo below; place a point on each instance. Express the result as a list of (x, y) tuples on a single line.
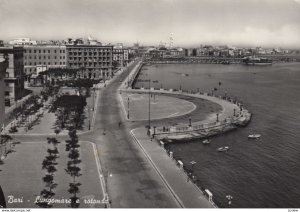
[(73, 169)]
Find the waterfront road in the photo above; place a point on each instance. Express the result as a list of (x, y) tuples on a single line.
[(132, 181)]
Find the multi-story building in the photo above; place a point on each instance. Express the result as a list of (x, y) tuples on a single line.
[(14, 76), (42, 57), (3, 67), (94, 60), (121, 56)]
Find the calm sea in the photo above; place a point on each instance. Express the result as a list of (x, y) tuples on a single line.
[(256, 173)]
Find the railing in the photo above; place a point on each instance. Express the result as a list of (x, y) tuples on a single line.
[(206, 127)]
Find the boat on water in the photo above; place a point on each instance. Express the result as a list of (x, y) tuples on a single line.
[(254, 136), (223, 149), (206, 141), (257, 61)]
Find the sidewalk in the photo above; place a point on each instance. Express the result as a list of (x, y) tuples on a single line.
[(185, 192)]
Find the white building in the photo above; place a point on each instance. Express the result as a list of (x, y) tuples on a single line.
[(22, 41)]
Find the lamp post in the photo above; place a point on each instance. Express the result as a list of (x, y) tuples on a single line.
[(128, 108), (89, 117), (149, 122), (94, 88)]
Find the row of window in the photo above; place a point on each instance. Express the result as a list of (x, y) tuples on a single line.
[(93, 58), (44, 51), (89, 54), (88, 64), (40, 57), (44, 63), (89, 50)]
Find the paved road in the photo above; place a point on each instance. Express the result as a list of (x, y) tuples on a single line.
[(132, 181)]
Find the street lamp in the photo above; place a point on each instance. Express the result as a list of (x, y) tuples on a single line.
[(149, 93), (94, 88), (89, 117), (128, 108)]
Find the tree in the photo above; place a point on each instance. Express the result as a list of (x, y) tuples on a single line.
[(73, 168), (4, 140), (49, 164), (220, 86)]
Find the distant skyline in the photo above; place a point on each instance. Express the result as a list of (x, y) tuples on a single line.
[(266, 23)]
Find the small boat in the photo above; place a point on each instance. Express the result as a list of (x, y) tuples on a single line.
[(206, 141), (254, 136), (223, 149)]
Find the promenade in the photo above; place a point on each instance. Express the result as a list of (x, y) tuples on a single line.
[(183, 189)]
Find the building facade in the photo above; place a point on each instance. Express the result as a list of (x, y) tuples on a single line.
[(39, 58), (94, 60), (14, 76), (121, 56), (3, 67)]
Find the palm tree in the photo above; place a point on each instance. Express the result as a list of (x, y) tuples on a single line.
[(4, 140), (49, 164), (73, 168)]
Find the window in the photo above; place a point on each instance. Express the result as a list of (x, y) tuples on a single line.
[(44, 51), (29, 51), (30, 63), (48, 63), (25, 63), (54, 57), (25, 57), (39, 51), (35, 63), (54, 51), (6, 93), (34, 51), (39, 57), (49, 57), (49, 51), (44, 57)]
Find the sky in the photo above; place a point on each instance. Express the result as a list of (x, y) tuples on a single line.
[(266, 23)]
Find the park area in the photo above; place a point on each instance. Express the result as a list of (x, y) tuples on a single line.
[(44, 120), (21, 176), (161, 106)]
